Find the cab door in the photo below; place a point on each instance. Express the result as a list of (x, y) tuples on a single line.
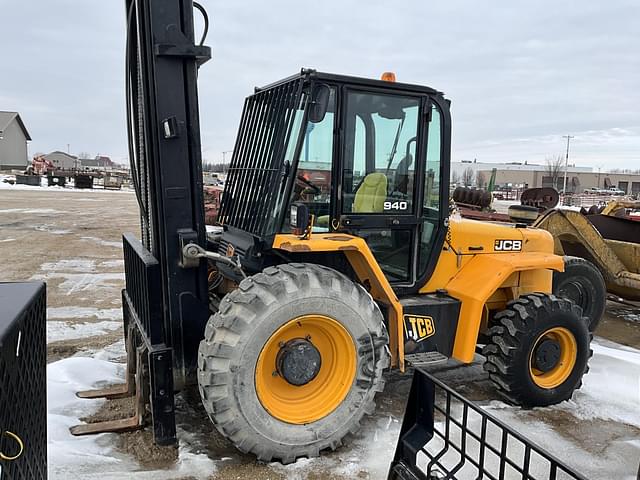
[(380, 184)]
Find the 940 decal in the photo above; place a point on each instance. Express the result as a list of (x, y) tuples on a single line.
[(507, 245)]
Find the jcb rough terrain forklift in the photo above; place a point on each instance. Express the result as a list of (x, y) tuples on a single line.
[(335, 257)]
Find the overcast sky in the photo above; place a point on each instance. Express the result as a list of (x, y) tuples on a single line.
[(520, 74)]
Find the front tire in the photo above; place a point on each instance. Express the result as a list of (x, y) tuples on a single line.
[(272, 407), (538, 352)]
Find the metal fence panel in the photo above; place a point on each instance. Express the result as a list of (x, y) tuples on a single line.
[(446, 436), (23, 387)]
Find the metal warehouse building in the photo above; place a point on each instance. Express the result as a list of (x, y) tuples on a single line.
[(577, 181)]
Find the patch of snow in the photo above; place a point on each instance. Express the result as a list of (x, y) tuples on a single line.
[(57, 331), (72, 455), (611, 389), (369, 452), (39, 211), (104, 243), (44, 187), (70, 265), (84, 312), (76, 282), (112, 264), (94, 457), (110, 353)]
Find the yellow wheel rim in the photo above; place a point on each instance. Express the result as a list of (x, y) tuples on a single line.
[(322, 395), (567, 361)]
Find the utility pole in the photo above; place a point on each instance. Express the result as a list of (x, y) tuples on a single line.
[(566, 164), (224, 159)]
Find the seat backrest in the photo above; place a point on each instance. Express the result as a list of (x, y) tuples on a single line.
[(401, 178), (371, 195)]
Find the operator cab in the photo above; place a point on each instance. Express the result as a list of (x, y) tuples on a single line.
[(366, 157)]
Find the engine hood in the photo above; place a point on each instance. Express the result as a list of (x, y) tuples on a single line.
[(472, 237)]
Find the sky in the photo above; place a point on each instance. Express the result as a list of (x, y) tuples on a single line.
[(520, 74)]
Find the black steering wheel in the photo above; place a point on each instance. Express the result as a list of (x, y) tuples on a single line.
[(315, 190)]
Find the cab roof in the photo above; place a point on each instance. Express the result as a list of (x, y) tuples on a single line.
[(310, 74)]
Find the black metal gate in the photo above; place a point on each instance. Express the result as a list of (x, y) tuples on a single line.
[(23, 387), (446, 436)]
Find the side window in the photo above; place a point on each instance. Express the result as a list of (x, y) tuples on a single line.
[(431, 199), (380, 147), (432, 172), (313, 178)]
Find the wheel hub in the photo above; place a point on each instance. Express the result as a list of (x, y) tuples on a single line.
[(306, 369), (547, 355), (574, 291), (298, 361)]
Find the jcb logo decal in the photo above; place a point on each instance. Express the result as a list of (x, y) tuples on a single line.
[(507, 245), (418, 328)]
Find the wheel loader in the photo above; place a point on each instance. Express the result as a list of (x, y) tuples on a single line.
[(314, 288)]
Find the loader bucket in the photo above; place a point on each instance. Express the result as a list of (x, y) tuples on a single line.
[(446, 436), (610, 243)]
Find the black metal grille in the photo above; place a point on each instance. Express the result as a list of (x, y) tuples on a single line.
[(143, 289), (258, 166), (445, 436), (23, 388)]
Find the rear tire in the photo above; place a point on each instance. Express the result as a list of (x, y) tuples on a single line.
[(582, 283), (512, 351), (242, 401)]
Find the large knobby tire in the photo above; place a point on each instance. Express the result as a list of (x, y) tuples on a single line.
[(582, 283), (238, 390), (527, 334)]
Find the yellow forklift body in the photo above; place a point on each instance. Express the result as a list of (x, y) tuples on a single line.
[(483, 265)]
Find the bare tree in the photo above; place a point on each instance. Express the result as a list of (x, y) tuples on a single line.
[(455, 178), (84, 156), (554, 168), (467, 177), (481, 180)]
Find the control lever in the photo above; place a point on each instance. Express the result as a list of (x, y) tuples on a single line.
[(193, 251)]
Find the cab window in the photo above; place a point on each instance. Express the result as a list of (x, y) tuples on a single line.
[(379, 153)]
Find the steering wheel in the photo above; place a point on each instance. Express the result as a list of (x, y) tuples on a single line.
[(315, 190)]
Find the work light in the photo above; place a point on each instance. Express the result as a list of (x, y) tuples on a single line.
[(299, 218)]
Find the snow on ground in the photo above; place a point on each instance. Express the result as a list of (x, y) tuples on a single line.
[(94, 457), (611, 390), (70, 328), (31, 211), (98, 283), (84, 312), (70, 265), (596, 432), (112, 264), (5, 185), (610, 395), (57, 331), (371, 451), (104, 243)]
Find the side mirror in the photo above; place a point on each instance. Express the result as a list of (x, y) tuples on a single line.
[(319, 103)]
